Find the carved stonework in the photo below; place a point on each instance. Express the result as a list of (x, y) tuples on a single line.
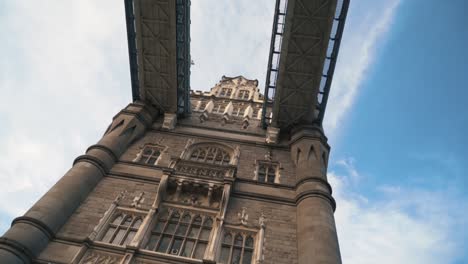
[(262, 220), (201, 171), (94, 257), (243, 216), (137, 200), (194, 193)]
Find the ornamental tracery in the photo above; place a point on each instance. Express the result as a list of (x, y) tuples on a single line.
[(206, 160), (213, 154), (180, 232), (186, 191), (122, 228), (237, 247), (188, 216)]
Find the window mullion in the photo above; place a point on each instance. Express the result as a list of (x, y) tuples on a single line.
[(175, 234), (242, 249), (116, 229), (127, 231), (232, 248), (161, 235)]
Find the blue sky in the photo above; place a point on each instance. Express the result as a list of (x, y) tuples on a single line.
[(396, 117)]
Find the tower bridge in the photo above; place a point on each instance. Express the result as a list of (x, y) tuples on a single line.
[(306, 36), (225, 176)]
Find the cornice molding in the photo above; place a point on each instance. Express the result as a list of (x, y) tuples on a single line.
[(92, 160), (315, 193), (16, 249), (36, 223), (105, 149)]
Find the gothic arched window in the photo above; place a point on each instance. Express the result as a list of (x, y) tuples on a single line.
[(210, 154), (236, 248), (122, 229), (243, 94), (181, 233)]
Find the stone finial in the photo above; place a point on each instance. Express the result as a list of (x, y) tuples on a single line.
[(268, 155), (138, 200), (243, 216), (189, 142), (139, 155), (236, 154), (262, 220), (119, 197)]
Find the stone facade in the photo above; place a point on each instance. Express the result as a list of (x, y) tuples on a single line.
[(213, 187)]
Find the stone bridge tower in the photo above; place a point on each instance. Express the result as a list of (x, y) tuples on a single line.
[(231, 175)]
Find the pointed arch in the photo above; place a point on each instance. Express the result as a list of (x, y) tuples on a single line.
[(312, 155), (298, 155), (324, 159)]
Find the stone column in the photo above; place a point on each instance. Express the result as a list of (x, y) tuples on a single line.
[(316, 232), (215, 237), (30, 234)]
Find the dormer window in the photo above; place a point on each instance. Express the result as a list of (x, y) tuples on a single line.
[(243, 94), (226, 92)]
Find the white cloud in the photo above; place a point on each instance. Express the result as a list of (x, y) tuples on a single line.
[(365, 30), (64, 74), (60, 88), (398, 225)]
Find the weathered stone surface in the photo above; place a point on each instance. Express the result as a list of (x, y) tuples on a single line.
[(296, 209)]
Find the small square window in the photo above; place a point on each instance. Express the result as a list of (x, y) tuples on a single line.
[(149, 155), (267, 172)]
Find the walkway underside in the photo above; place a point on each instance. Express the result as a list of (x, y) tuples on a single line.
[(308, 25), (158, 37)]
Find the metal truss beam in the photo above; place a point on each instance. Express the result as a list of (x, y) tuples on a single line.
[(158, 33), (302, 61)]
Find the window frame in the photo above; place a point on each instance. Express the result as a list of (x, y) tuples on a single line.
[(155, 238), (128, 229), (232, 246), (269, 165), (225, 92), (243, 94), (146, 158), (210, 154)]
